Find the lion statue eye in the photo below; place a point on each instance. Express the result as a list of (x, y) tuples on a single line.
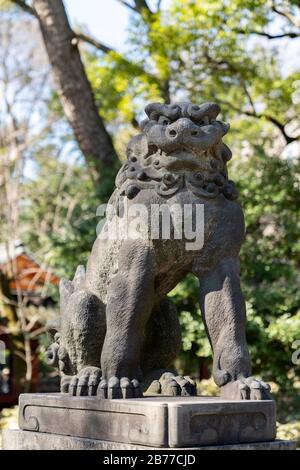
[(204, 121), (164, 120)]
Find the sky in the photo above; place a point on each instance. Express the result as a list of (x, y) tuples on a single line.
[(107, 20)]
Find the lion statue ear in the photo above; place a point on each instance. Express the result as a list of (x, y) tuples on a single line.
[(211, 110), (154, 110), (137, 147)]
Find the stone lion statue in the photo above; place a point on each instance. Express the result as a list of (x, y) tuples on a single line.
[(118, 333)]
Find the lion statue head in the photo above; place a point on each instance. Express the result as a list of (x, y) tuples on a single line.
[(180, 147)]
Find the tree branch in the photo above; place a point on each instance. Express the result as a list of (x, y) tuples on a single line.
[(291, 35), (280, 126), (104, 48), (236, 71), (74, 89), (141, 5), (163, 85), (126, 4), (22, 4), (93, 42), (252, 113), (268, 117), (138, 6), (286, 15)]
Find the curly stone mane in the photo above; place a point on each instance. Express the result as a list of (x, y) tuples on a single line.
[(150, 155)]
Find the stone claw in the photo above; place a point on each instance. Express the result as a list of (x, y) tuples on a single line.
[(246, 388), (102, 389), (170, 384), (116, 388), (79, 277), (85, 383)]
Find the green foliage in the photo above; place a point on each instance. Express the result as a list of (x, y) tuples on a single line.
[(270, 261), (270, 195), (197, 50), (60, 213), (194, 339), (8, 420), (119, 85), (289, 431), (4, 5)]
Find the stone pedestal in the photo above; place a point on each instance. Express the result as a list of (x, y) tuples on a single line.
[(59, 421), (16, 439)]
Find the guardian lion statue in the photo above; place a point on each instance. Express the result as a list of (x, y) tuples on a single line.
[(118, 333)]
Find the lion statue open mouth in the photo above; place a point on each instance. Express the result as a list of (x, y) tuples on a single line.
[(118, 333)]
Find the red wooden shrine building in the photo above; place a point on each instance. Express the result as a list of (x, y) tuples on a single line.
[(22, 277)]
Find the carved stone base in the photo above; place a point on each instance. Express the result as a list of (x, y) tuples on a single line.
[(27, 440), (151, 421)]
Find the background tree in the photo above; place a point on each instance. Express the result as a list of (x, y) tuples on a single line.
[(23, 92), (230, 52), (72, 85)]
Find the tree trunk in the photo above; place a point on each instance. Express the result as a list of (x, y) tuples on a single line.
[(73, 87)]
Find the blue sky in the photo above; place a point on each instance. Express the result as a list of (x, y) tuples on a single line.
[(105, 19)]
